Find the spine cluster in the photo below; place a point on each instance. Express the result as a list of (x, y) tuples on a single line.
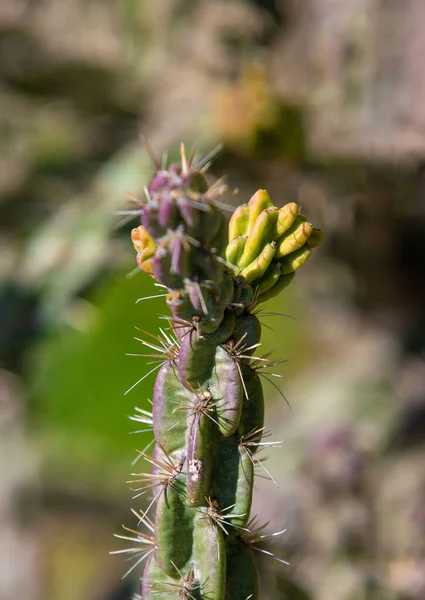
[(208, 404)]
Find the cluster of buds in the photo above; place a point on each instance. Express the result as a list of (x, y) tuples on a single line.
[(268, 244), (181, 243)]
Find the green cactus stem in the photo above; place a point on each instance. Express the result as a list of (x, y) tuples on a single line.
[(208, 403)]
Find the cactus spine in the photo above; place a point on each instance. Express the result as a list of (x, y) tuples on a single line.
[(208, 404)]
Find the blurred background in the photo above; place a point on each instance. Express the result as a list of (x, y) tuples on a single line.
[(320, 102)]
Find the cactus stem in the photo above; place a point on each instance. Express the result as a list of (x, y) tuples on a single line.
[(208, 400), (238, 366)]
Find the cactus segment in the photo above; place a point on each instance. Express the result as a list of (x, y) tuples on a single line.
[(200, 458), (252, 418), (233, 485), (226, 387), (247, 333), (173, 530), (208, 402), (153, 580), (196, 356), (196, 360), (242, 573), (169, 401), (209, 556)]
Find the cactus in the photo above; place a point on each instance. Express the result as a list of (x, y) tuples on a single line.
[(208, 404)]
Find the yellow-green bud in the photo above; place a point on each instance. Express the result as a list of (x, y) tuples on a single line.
[(261, 234), (259, 201), (235, 249), (239, 222), (270, 277), (295, 260), (282, 283), (294, 238), (259, 266), (286, 216)]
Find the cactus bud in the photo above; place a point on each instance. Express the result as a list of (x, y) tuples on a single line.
[(294, 238)]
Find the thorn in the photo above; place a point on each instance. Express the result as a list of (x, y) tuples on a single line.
[(254, 539), (192, 156), (134, 198), (141, 379), (185, 166), (276, 387), (150, 297), (209, 156), (151, 153), (133, 272)]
